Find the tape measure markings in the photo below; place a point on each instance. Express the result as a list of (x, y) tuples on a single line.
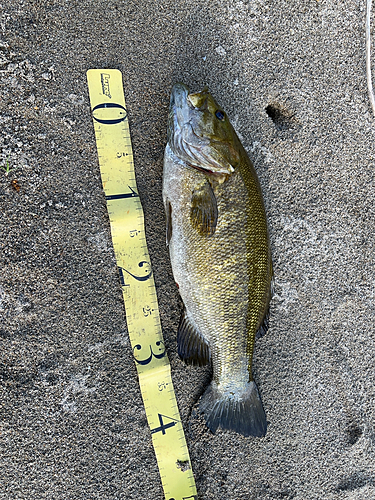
[(137, 283)]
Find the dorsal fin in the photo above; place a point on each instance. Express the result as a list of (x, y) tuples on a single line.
[(262, 330), (193, 348)]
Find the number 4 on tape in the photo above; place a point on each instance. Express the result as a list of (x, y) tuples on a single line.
[(128, 235)]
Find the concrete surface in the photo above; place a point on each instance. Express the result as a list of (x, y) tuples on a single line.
[(72, 420)]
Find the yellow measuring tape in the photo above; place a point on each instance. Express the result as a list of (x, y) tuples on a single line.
[(138, 288)]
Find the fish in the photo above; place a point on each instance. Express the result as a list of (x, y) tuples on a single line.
[(218, 240)]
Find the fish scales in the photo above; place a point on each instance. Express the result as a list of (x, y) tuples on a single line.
[(223, 272)]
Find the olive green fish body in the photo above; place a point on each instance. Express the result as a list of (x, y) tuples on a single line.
[(220, 256)]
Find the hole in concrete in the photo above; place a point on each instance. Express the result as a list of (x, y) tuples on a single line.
[(281, 116), (354, 433)]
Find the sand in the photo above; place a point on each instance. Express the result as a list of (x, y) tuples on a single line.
[(291, 76)]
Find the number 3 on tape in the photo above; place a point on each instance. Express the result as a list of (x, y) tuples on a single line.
[(129, 242)]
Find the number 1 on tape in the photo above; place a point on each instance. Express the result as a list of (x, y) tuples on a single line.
[(137, 282)]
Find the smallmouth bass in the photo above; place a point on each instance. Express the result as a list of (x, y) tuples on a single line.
[(220, 255)]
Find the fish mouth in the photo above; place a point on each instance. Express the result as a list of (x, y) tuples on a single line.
[(186, 134), (179, 95)]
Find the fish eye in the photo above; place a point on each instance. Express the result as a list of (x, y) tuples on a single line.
[(220, 115)]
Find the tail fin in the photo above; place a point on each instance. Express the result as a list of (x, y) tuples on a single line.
[(238, 411)]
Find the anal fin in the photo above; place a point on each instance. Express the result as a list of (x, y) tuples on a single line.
[(193, 348), (168, 216)]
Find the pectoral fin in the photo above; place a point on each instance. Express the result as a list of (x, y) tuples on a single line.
[(203, 211), (193, 348)]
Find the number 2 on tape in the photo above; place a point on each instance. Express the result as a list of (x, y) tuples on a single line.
[(137, 283)]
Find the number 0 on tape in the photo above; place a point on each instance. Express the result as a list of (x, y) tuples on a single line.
[(137, 282)]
